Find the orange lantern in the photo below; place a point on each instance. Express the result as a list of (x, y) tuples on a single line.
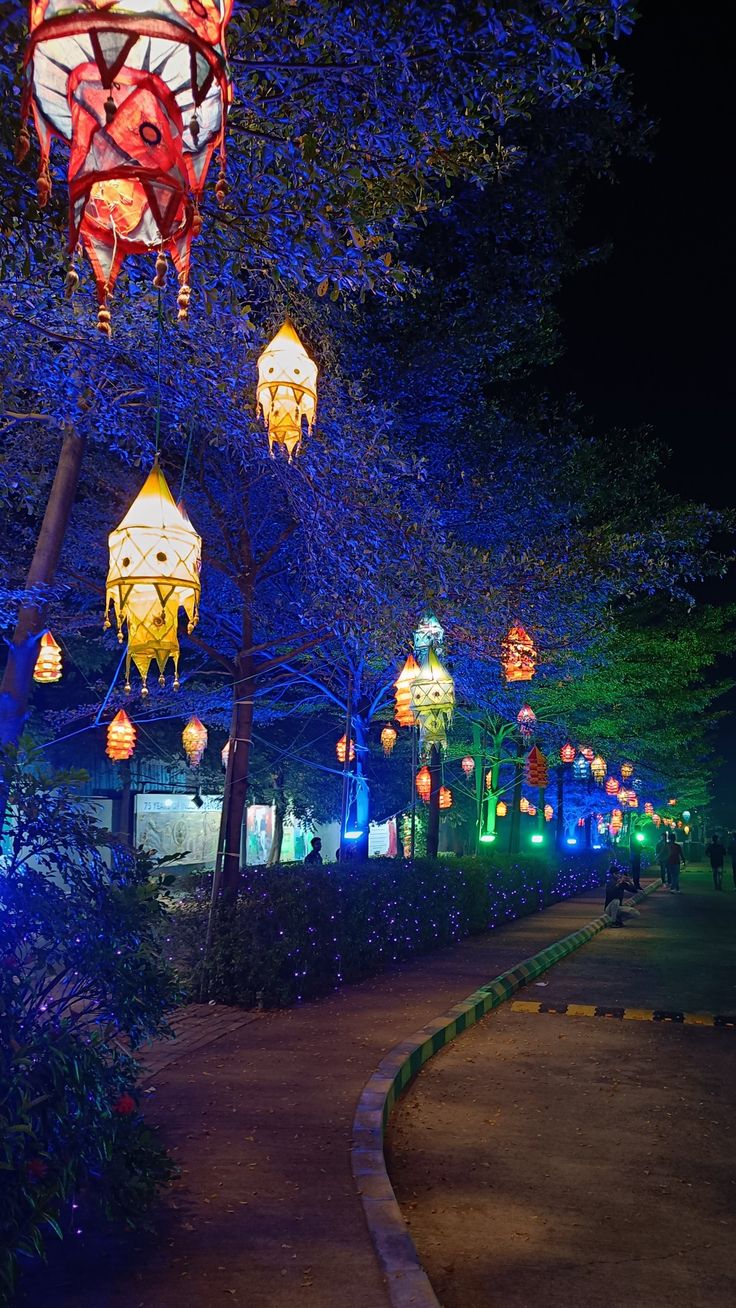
[(587, 753), (388, 740), (532, 811), (633, 799), (445, 797), (121, 735), (526, 718), (523, 804), (194, 739), (468, 765), (340, 750), (612, 786), (501, 809), (536, 768), (48, 663), (567, 753), (671, 802), (424, 784), (548, 812), (598, 767), (404, 714), (518, 655), (627, 770)]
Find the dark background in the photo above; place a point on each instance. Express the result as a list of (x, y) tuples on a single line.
[(649, 333)]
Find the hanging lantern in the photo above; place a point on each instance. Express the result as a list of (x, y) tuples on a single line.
[(602, 828), (424, 784), (581, 768), (615, 825), (671, 802), (340, 750), (527, 720), (648, 809), (633, 799), (518, 655), (121, 735), (388, 740), (501, 809), (48, 664), (686, 830), (445, 797), (433, 701), (286, 394), (598, 767), (567, 753), (194, 739), (612, 786), (532, 811), (587, 753), (155, 559), (225, 753), (410, 671), (139, 90), (581, 822), (548, 812), (656, 819), (625, 795), (535, 768), (468, 765), (627, 770), (489, 779), (430, 634), (523, 804)]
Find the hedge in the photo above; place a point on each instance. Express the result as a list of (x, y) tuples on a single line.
[(299, 932)]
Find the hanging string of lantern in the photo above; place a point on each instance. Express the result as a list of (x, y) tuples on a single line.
[(139, 91), (47, 669), (286, 393), (445, 797), (423, 784), (518, 655), (468, 765), (433, 701), (194, 739), (341, 747), (527, 720), (155, 560), (388, 740), (403, 684), (121, 737)]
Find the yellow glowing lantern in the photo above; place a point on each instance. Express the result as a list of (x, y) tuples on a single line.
[(403, 684), (287, 389), (548, 812), (121, 735), (627, 770), (524, 804), (194, 739), (468, 765), (445, 797), (433, 700), (501, 809), (388, 740), (518, 655), (686, 830), (155, 560), (598, 767), (340, 750), (671, 802), (532, 810), (48, 663), (424, 784)]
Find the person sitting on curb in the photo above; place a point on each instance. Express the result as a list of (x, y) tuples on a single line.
[(617, 885)]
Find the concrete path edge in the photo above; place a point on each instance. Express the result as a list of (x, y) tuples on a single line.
[(407, 1282)]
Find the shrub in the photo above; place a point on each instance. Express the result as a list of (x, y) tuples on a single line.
[(82, 983), (299, 932)]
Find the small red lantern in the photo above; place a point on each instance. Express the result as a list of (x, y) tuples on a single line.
[(468, 765), (340, 750), (445, 797), (48, 663), (527, 719), (567, 753), (388, 740), (518, 655), (587, 753), (532, 810), (121, 736), (581, 822), (627, 770), (536, 768), (424, 784), (548, 812), (612, 786)]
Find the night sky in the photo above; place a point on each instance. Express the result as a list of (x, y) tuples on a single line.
[(650, 333)]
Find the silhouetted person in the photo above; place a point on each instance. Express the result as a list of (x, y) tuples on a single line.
[(617, 885), (635, 865), (661, 854), (675, 860), (732, 854), (715, 850), (314, 856)]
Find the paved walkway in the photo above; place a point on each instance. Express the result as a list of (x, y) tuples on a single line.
[(266, 1213), (577, 1148)]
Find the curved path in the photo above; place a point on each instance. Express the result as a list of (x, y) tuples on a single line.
[(587, 1156), (266, 1214)]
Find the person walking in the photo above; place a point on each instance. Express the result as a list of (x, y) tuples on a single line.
[(675, 860), (715, 850), (661, 854)]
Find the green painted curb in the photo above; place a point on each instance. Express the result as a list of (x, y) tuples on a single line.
[(408, 1283)]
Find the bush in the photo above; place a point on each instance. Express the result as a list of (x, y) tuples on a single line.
[(299, 932), (82, 983)]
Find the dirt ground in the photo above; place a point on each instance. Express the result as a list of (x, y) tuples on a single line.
[(550, 1160)]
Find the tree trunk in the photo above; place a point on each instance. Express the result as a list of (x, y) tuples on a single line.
[(17, 681), (433, 817), (515, 832), (279, 812), (560, 805), (362, 792)]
